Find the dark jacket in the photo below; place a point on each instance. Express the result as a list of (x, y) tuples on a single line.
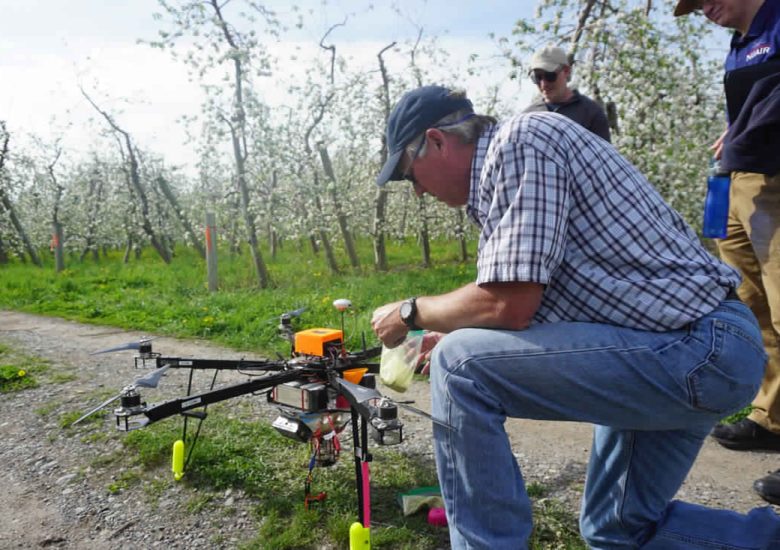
[(581, 109), (753, 140)]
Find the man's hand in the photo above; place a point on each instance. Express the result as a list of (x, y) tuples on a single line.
[(388, 326), (430, 339), (717, 147)]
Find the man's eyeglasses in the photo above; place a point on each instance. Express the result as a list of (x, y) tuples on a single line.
[(409, 175), (538, 75)]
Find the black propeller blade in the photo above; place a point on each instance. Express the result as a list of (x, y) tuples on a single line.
[(126, 346), (421, 412), (96, 409), (149, 380), (360, 395)]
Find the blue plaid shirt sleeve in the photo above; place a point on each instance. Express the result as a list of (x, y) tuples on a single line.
[(526, 243)]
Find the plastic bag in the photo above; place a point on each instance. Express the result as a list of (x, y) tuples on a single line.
[(397, 365)]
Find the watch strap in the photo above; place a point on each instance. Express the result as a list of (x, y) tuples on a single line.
[(409, 320)]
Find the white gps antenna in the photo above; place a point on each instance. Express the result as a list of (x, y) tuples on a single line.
[(342, 304)]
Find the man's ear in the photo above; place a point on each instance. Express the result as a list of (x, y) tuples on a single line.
[(436, 139)]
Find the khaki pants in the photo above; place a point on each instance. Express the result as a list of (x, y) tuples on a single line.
[(753, 247)]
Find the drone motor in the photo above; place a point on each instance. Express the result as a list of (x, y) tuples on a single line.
[(386, 429), (128, 414)]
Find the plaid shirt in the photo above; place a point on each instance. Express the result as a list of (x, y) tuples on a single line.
[(560, 207)]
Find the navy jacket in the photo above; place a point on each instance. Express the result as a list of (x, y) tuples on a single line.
[(753, 141)]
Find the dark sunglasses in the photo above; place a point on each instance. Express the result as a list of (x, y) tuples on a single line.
[(538, 76)]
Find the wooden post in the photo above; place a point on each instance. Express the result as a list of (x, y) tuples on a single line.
[(211, 250), (56, 245)]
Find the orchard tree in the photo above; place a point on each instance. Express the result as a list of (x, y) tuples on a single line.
[(132, 168), (219, 43), (7, 193), (660, 87)]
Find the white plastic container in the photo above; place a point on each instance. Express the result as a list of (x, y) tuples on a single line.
[(397, 365)]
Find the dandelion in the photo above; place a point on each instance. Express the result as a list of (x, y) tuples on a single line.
[(22, 373)]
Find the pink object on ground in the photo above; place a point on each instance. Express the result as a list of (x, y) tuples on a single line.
[(437, 516)]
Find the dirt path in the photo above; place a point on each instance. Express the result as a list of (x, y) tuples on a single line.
[(53, 493)]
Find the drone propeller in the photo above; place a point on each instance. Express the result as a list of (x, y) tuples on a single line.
[(286, 315), (362, 394), (149, 380), (295, 312), (421, 412), (122, 347), (99, 407)]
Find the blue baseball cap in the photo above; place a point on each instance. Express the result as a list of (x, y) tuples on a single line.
[(414, 113)]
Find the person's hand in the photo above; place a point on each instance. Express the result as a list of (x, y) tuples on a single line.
[(717, 147), (430, 339), (388, 326)]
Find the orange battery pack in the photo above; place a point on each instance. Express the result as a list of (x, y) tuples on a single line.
[(314, 340)]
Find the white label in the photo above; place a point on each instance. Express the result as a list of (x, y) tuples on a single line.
[(190, 403)]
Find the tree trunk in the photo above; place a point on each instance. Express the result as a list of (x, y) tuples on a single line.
[(330, 257), (128, 250), (6, 201), (464, 252), (181, 216), (378, 229), (380, 199), (96, 196), (349, 243), (132, 173), (237, 126), (249, 220), (3, 252), (28, 246), (425, 242)]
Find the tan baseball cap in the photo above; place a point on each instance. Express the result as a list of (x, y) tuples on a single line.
[(548, 58), (684, 7)]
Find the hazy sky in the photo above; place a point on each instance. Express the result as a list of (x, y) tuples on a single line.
[(49, 47)]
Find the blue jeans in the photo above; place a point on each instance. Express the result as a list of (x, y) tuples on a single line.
[(653, 396)]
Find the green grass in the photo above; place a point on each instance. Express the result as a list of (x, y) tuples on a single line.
[(20, 371), (235, 450), (149, 296)]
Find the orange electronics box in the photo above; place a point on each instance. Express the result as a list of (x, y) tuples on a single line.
[(314, 340)]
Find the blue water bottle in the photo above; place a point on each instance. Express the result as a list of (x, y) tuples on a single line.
[(716, 205)]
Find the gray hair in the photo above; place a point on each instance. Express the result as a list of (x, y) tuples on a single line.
[(467, 128)]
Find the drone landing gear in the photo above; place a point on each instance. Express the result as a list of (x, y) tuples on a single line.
[(360, 531)]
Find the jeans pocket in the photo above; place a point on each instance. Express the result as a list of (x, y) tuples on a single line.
[(730, 375), (712, 390)]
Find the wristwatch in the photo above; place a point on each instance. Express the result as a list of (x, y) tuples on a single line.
[(408, 311)]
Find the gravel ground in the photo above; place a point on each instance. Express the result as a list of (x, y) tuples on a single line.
[(53, 491)]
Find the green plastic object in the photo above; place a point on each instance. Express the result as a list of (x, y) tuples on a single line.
[(422, 497)]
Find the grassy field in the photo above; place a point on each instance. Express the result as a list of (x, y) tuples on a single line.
[(174, 299), (148, 295)]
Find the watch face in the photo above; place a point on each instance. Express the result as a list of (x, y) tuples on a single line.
[(406, 311)]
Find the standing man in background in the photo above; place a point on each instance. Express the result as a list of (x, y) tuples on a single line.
[(749, 150), (550, 70)]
